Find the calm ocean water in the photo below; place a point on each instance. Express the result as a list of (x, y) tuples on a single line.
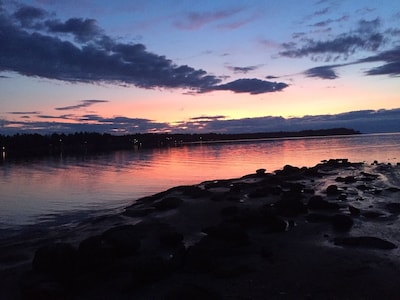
[(62, 189)]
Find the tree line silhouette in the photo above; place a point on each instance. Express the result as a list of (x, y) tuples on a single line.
[(27, 145)]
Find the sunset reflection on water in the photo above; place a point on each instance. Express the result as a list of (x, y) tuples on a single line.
[(69, 183)]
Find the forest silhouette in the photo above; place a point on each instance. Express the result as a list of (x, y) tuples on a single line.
[(28, 145)]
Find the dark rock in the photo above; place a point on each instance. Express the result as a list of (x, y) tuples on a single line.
[(229, 211), (393, 207), (372, 214), (309, 191), (365, 241), (369, 176), (290, 204), (276, 224), (171, 239), (337, 162), (228, 232), (235, 189), (194, 191), (316, 202), (318, 218), (217, 184), (291, 172), (249, 217), (266, 252), (34, 285), (95, 253), (347, 179), (332, 189), (168, 203), (342, 222), (203, 256), (138, 211), (260, 192), (393, 189), (275, 190), (260, 171), (339, 179), (152, 198), (232, 270), (354, 210), (192, 292), (124, 239), (58, 259), (295, 187), (149, 269)]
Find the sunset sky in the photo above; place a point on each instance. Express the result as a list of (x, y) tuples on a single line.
[(129, 66)]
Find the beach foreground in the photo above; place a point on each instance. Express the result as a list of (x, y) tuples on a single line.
[(326, 232)]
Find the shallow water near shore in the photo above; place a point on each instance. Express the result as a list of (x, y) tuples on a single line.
[(63, 190)]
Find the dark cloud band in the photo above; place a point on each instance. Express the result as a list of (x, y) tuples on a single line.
[(366, 121), (32, 45), (84, 103)]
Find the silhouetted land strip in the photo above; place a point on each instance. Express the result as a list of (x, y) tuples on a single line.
[(27, 145)]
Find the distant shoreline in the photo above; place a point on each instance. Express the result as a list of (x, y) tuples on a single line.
[(86, 143), (287, 135)]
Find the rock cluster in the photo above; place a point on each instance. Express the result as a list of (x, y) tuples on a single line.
[(218, 230)]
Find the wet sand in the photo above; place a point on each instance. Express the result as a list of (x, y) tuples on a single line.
[(326, 232)]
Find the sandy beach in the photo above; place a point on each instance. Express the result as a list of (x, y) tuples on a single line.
[(326, 232)]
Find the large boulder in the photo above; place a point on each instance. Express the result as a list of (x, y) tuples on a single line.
[(342, 222), (168, 203), (290, 204), (228, 232), (94, 253), (149, 269), (366, 242), (316, 202), (34, 285), (56, 259), (332, 190), (124, 239)]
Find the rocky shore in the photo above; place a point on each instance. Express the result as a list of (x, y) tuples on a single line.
[(326, 232)]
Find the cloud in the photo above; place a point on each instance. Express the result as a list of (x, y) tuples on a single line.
[(207, 118), (84, 103), (26, 15), (93, 57), (243, 70), (23, 112), (392, 66), (387, 69), (196, 20), (252, 86), (343, 45), (88, 123), (330, 21), (83, 30), (61, 117), (366, 121), (324, 72), (365, 37), (321, 12)]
